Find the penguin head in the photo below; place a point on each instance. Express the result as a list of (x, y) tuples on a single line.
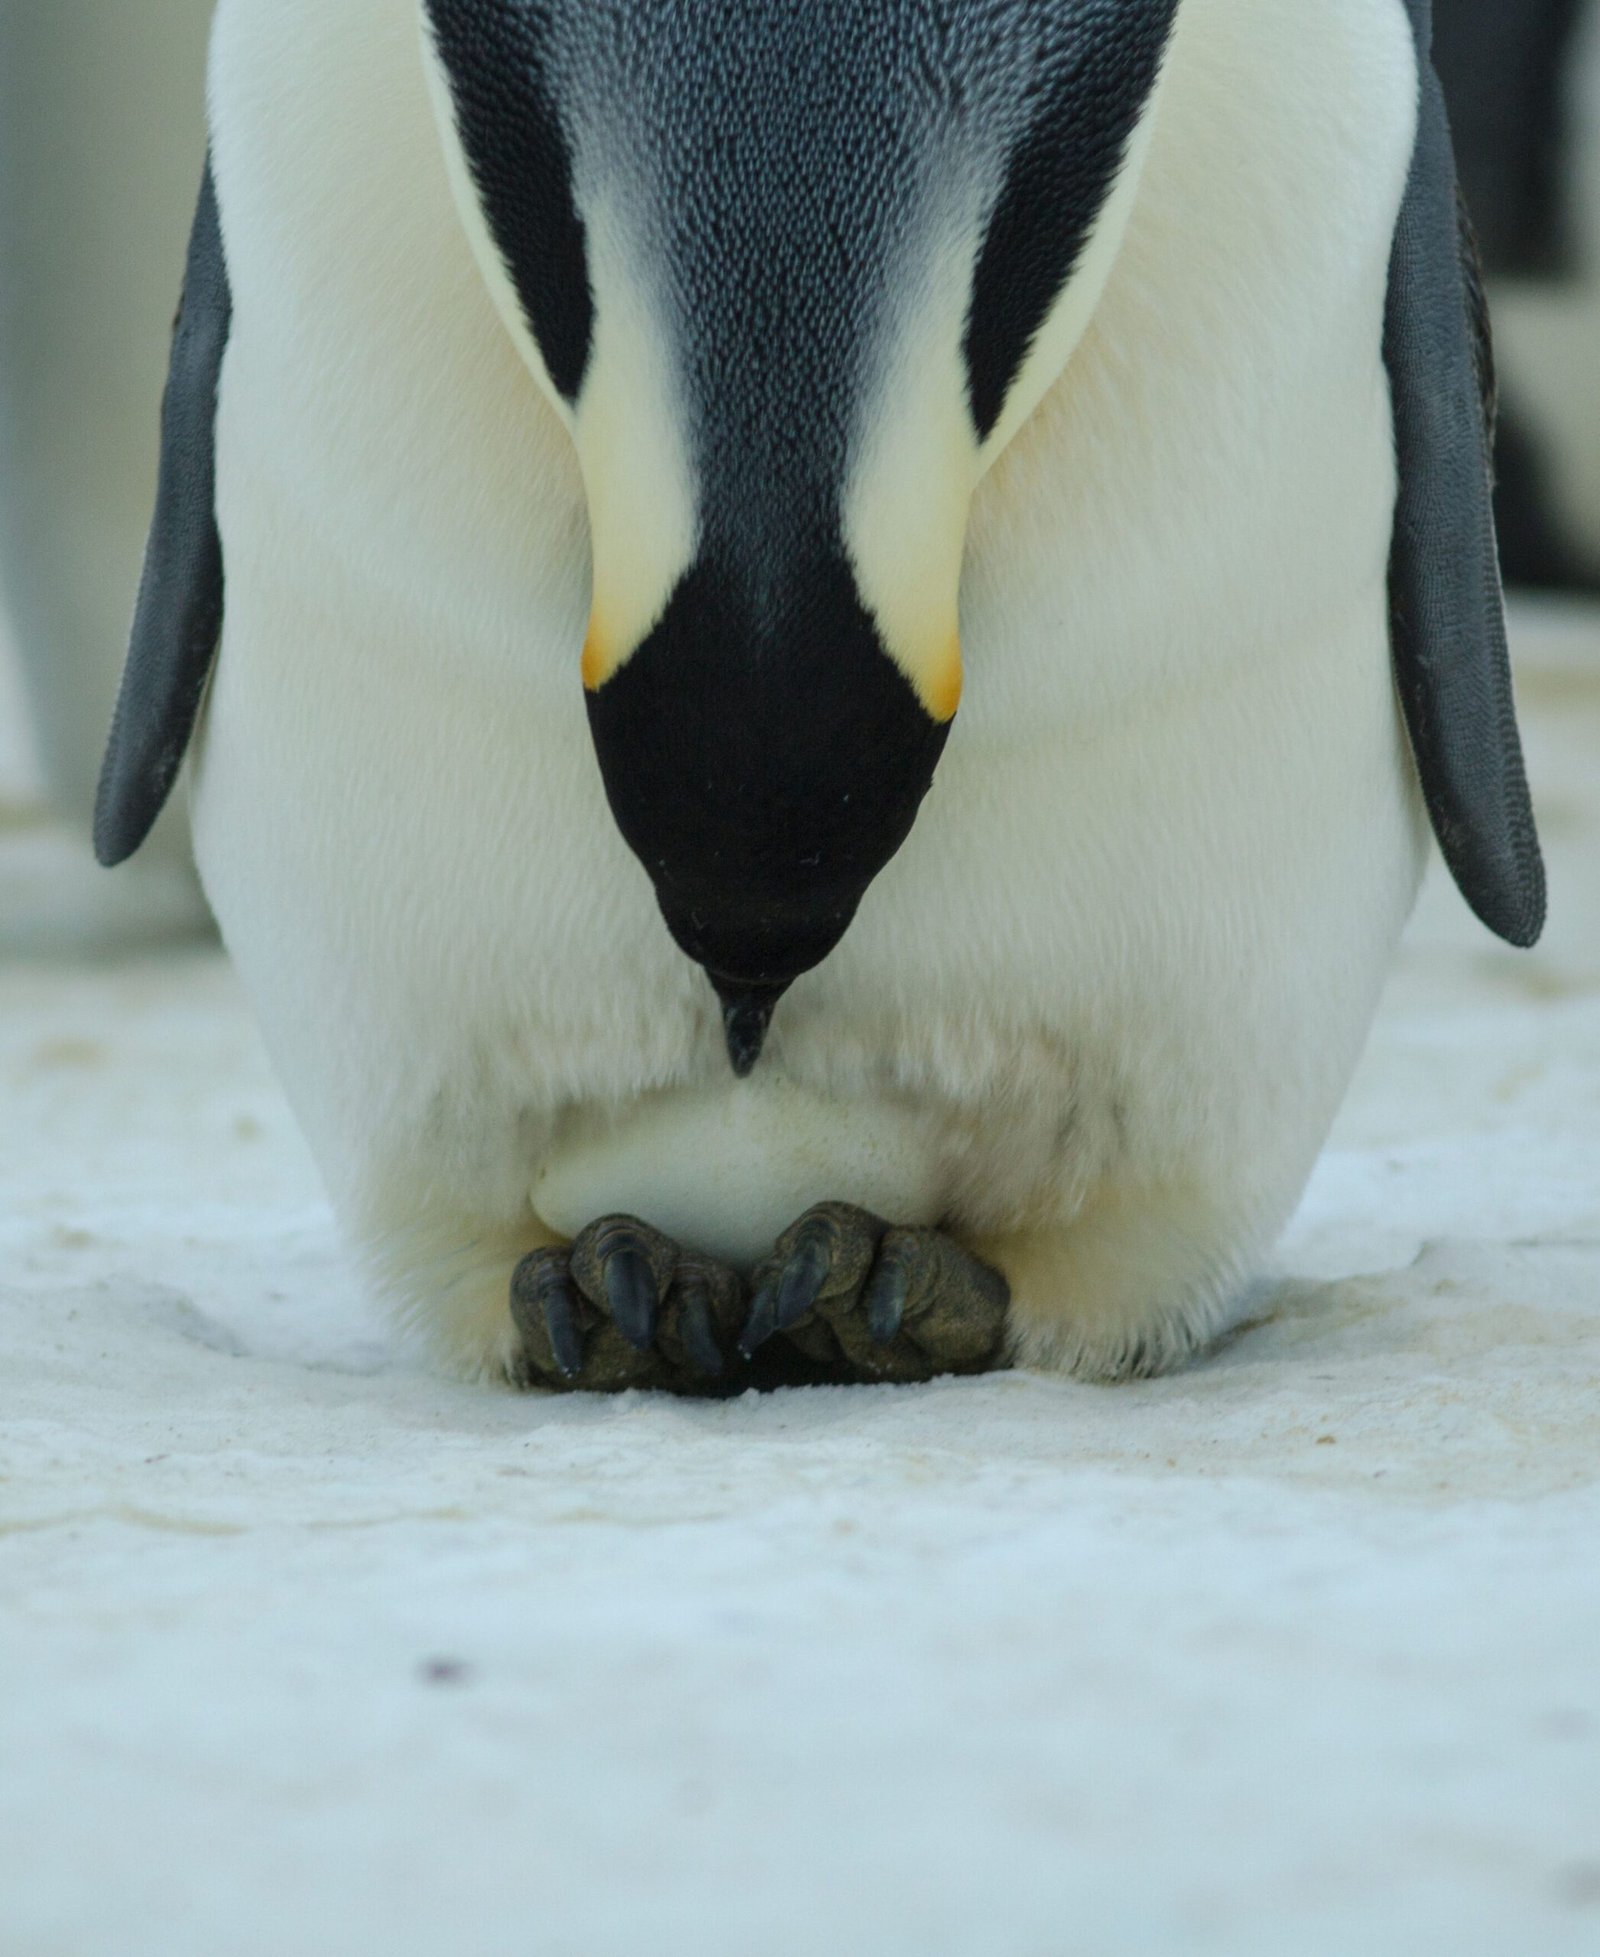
[(793, 272)]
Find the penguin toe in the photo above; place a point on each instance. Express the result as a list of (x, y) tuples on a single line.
[(627, 1269), (626, 1308), (700, 1323), (825, 1258), (861, 1300), (546, 1307)]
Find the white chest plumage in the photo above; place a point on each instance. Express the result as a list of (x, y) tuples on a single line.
[(1131, 950)]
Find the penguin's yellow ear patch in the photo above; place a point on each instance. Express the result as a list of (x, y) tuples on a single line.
[(638, 469), (915, 470)]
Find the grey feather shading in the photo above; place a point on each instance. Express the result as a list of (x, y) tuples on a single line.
[(178, 621), (1447, 610)]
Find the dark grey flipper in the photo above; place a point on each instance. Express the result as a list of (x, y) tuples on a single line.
[(1446, 606), (179, 617)]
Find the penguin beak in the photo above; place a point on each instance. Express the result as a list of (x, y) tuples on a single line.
[(746, 1020)]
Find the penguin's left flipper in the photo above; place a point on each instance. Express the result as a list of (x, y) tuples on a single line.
[(178, 621), (862, 1301), (1447, 610), (624, 1308)]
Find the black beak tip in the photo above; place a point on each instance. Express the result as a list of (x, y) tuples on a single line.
[(746, 1018)]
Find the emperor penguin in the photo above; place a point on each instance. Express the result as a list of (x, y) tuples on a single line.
[(102, 133), (818, 639), (1523, 85)]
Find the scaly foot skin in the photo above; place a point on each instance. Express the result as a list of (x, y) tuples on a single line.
[(625, 1307), (859, 1300)]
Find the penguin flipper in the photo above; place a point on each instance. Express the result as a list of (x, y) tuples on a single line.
[(178, 620), (1447, 608)]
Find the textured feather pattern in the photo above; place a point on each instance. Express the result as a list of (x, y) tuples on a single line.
[(772, 167)]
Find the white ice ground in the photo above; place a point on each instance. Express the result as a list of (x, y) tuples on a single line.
[(304, 1652)]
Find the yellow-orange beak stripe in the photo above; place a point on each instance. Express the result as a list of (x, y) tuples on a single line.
[(941, 693), (598, 665)]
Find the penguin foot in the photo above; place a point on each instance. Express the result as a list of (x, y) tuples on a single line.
[(625, 1307), (860, 1300)]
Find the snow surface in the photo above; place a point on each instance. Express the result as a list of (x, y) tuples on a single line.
[(305, 1651)]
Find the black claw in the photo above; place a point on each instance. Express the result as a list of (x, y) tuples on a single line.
[(542, 1300), (887, 1295), (804, 1275), (700, 1333), (631, 1294), (762, 1322), (561, 1322)]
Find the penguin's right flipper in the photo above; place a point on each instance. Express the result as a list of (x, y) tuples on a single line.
[(178, 621), (1447, 610)]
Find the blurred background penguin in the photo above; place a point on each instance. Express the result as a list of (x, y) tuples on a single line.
[(1523, 78), (101, 139)]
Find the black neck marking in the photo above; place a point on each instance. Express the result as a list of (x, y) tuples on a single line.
[(496, 58), (1089, 96)]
